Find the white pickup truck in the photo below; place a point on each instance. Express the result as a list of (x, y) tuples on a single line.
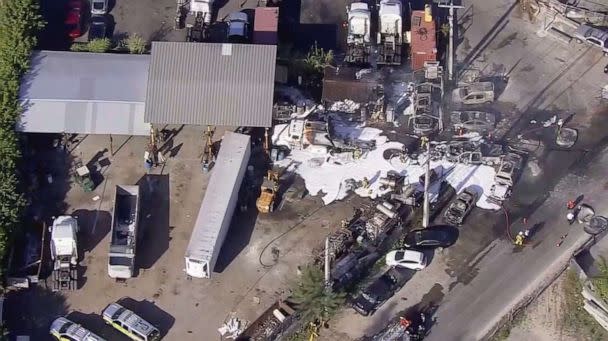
[(510, 165)]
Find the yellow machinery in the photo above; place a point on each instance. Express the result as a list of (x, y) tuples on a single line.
[(270, 186)]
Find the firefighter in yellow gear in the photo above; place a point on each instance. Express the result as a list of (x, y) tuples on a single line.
[(423, 142), (519, 239), (365, 182)]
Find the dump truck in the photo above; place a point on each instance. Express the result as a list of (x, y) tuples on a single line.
[(390, 32), (64, 253), (268, 194), (217, 208), (123, 244), (358, 36)]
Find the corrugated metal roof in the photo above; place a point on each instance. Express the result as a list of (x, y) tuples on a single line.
[(83, 76), (215, 84), (220, 198), (83, 117), (85, 93)]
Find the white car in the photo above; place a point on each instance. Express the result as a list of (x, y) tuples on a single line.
[(410, 259)]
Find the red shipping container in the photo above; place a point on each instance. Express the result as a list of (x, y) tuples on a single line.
[(423, 46), (265, 25)]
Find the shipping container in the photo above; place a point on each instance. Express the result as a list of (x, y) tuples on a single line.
[(218, 205), (265, 25), (423, 44)]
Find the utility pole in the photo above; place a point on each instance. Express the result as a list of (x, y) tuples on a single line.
[(427, 176), (327, 282), (451, 7)]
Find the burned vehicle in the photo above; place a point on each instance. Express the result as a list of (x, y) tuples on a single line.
[(474, 93), (460, 207), (473, 121), (379, 291), (424, 124), (510, 166)]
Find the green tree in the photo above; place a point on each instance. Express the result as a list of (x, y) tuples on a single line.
[(317, 58), (20, 21), (312, 299), (135, 44)]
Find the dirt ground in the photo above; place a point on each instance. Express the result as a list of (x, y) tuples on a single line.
[(171, 196), (541, 321)]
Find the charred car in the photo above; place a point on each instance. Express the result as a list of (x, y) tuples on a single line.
[(473, 121), (460, 207)]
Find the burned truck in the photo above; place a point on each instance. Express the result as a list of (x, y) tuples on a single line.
[(509, 169)]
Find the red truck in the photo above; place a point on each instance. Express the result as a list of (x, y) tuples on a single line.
[(423, 45), (265, 24)]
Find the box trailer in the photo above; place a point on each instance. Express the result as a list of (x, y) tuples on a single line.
[(423, 45), (218, 205), (265, 25), (123, 245)]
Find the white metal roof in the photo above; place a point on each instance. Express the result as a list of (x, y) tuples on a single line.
[(222, 186), (86, 93)]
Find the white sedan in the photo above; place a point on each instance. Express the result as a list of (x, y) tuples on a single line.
[(410, 259)]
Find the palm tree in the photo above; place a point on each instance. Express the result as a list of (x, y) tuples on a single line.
[(313, 300)]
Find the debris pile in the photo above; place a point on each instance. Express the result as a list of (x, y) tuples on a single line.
[(232, 328)]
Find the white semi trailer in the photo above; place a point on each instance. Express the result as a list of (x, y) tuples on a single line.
[(390, 32), (218, 205)]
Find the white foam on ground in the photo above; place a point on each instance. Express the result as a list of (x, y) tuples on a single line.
[(323, 173)]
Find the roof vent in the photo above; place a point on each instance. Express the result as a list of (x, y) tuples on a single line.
[(226, 49)]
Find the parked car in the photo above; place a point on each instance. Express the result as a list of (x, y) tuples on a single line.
[(429, 237), (64, 329), (73, 19), (98, 27), (460, 207), (474, 93), (409, 259), (592, 35), (99, 7), (478, 121), (379, 291), (238, 27), (129, 323)]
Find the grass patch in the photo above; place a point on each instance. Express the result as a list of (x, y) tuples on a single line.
[(574, 318), (504, 331)]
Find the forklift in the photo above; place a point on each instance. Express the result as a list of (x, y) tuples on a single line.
[(82, 176)]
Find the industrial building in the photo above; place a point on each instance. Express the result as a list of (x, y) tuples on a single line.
[(123, 94), (85, 93)]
